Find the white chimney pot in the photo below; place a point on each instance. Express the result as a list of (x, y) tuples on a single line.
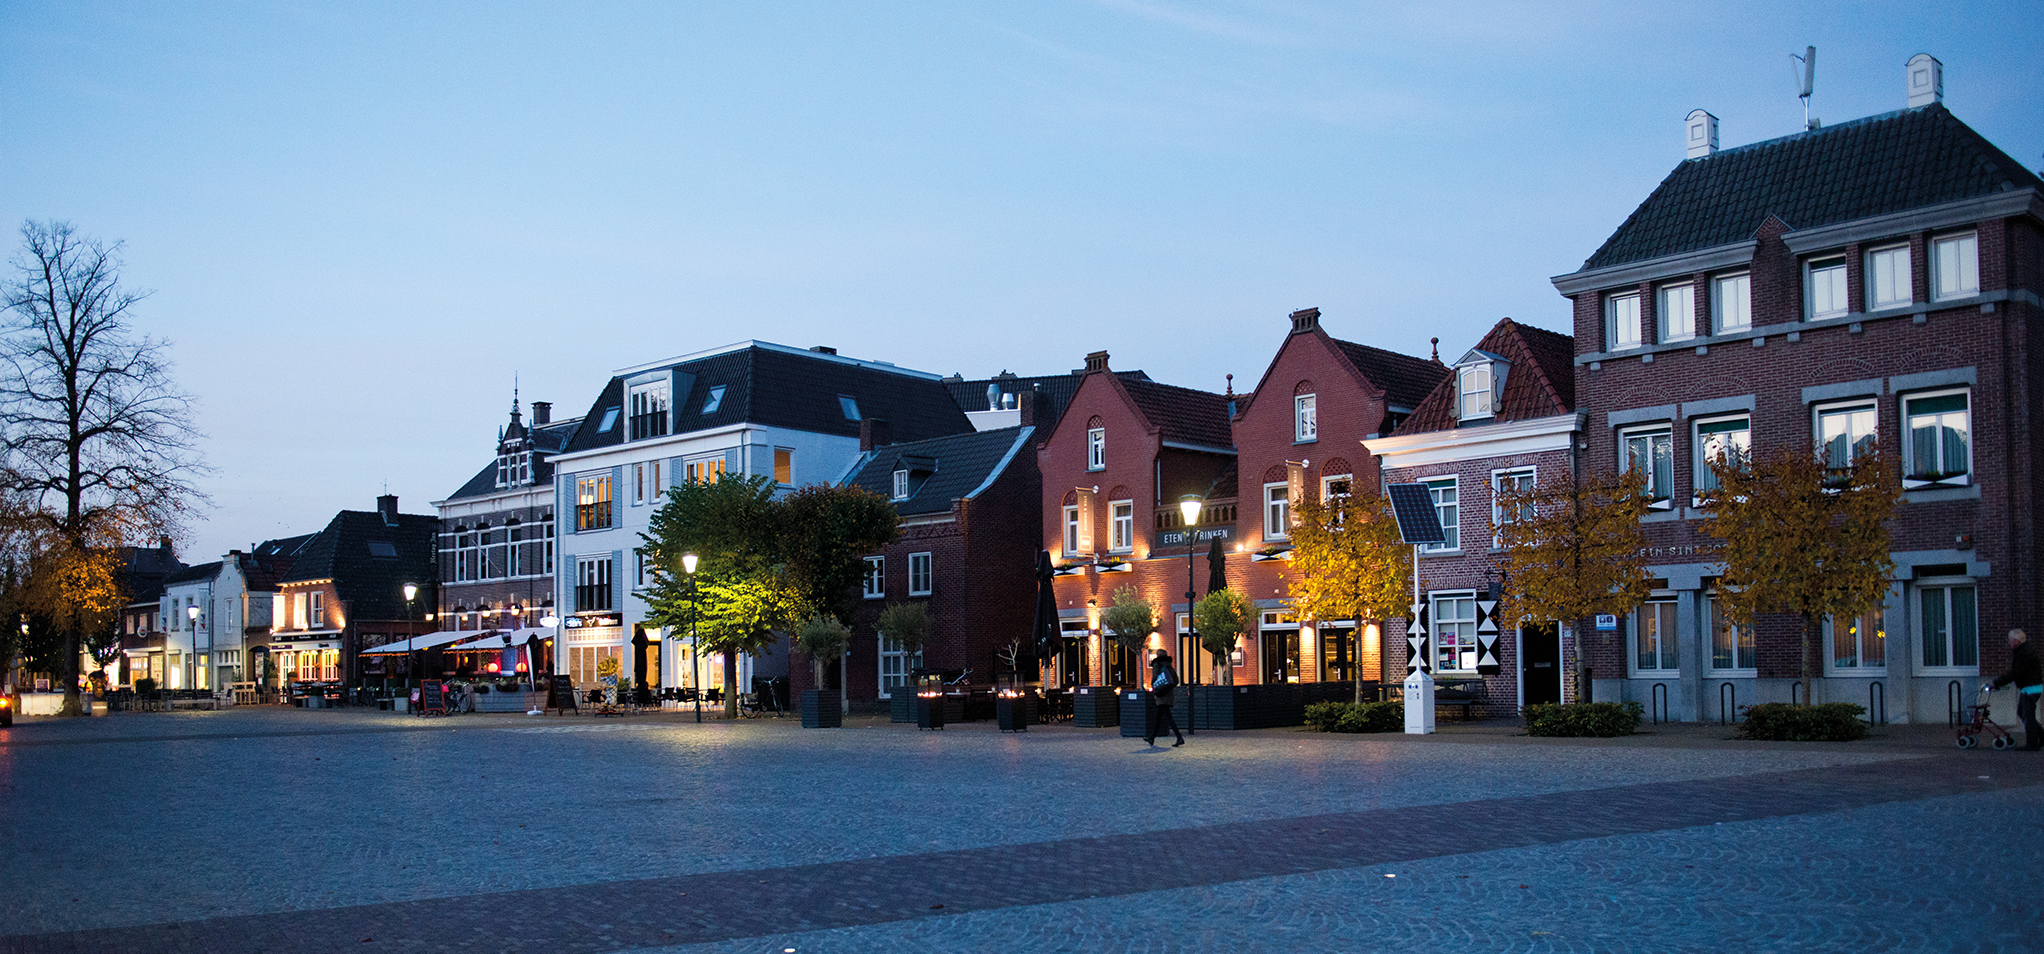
[(1926, 80), (1702, 130)]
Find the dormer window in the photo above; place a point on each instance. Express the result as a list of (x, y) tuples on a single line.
[(648, 403), (514, 469), (901, 485), (1479, 383)]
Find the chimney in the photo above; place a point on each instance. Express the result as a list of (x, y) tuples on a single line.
[(874, 433), (1703, 134), (824, 349), (386, 506), (542, 412), (163, 544), (1305, 319), (1926, 79), (1097, 361), (1035, 407)]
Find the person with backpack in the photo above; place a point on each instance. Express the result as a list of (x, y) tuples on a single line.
[(1163, 690)]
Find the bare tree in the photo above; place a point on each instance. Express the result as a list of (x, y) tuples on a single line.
[(96, 443)]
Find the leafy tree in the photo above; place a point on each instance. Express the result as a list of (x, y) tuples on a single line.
[(906, 623), (1131, 619), (743, 615), (1222, 616), (738, 595), (95, 440), (1572, 549), (1803, 538), (1349, 561), (823, 639), (826, 533)]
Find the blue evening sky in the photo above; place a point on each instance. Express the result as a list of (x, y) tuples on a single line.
[(361, 219)]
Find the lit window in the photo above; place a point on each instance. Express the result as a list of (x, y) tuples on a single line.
[(1824, 287), (1621, 322), (1939, 446), (705, 471), (713, 400), (1728, 439), (1950, 626), (1861, 644), (1956, 261), (1277, 511), (592, 503), (1122, 525), (876, 578), (1731, 303), (1675, 307), (919, 576), (1071, 531), (1443, 491), (1847, 433), (1731, 645), (1096, 449), (1305, 418), (1454, 632), (1654, 642), (784, 466), (1888, 279), (1652, 451)]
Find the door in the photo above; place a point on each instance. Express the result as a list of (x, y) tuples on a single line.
[(1540, 663), (1337, 652)]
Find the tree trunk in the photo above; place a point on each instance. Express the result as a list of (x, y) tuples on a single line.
[(730, 684), (1809, 632), (72, 704)]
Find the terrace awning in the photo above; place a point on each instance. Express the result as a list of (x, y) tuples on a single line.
[(416, 643)]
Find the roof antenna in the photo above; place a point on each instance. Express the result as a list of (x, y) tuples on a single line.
[(1806, 82)]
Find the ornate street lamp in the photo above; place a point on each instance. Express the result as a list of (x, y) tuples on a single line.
[(1189, 507), (695, 655)]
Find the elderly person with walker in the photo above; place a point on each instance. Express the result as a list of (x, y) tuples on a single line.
[(2029, 679)]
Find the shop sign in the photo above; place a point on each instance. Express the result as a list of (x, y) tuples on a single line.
[(592, 622), (1176, 538), (1607, 623)]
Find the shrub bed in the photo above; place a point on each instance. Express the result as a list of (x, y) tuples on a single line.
[(1356, 716), (1783, 722), (1582, 719)]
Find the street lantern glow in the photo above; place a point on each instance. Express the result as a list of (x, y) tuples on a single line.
[(411, 591), (1188, 507), (688, 563)]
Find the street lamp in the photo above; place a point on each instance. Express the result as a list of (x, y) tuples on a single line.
[(695, 654), (411, 593), (192, 614), (1188, 507)]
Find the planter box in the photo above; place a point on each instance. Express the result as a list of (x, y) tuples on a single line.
[(1095, 707), (1259, 707), (929, 712), (1015, 713), (500, 701), (901, 707), (820, 710), (1141, 711)]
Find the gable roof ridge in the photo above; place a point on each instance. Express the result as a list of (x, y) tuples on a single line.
[(1522, 336)]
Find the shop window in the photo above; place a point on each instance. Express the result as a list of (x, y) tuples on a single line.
[(1454, 632)]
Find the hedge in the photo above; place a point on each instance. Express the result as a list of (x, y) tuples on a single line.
[(1578, 719), (1784, 722), (1356, 716)]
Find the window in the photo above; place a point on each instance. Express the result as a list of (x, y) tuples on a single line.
[(1121, 518), (638, 484), (1824, 287), (1096, 448), (656, 484), (849, 405), (920, 582), (713, 400), (316, 604), (548, 566), (1939, 449), (609, 420), (648, 403), (494, 545), (1474, 385), (1675, 309), (592, 585), (1727, 438), (1621, 322), (1443, 491), (1731, 303), (1277, 511), (1888, 278), (901, 485), (1859, 646), (582, 661), (514, 469), (592, 503), (784, 466), (1454, 632), (876, 578), (1955, 264), (1731, 645), (1509, 482), (703, 471), (1949, 627), (638, 568), (1654, 641), (1336, 485), (895, 663), (1847, 433), (1305, 418), (514, 556), (1653, 451)]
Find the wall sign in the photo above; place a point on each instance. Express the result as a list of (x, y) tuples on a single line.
[(1176, 538), (1607, 623)]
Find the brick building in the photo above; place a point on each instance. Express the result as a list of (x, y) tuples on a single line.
[(345, 593), (1871, 286)]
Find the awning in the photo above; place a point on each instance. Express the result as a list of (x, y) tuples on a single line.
[(416, 643), (497, 639), (305, 639)]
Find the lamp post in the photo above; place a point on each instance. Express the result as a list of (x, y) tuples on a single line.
[(695, 654), (411, 593), (192, 614), (1189, 507)]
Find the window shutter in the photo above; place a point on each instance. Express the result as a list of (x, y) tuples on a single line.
[(617, 585)]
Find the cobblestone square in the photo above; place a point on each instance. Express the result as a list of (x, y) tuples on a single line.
[(263, 829)]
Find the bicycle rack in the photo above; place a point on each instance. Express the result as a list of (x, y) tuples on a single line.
[(1728, 704), (1658, 702), (1877, 703), (1954, 697)]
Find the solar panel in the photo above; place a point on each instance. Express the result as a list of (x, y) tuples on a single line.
[(1418, 521)]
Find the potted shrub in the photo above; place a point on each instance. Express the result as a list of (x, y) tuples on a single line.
[(824, 640), (909, 625)]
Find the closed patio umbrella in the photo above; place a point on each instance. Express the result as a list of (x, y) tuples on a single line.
[(1217, 567), (1044, 631)]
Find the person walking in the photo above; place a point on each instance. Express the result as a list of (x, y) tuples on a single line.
[(1163, 690), (2025, 672)]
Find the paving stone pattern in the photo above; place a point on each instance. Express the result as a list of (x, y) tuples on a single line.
[(374, 833)]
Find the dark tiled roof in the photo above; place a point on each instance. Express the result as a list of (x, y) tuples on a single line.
[(547, 440), (204, 571), (1874, 166), (143, 570), (1404, 378), (792, 389), (956, 466), (272, 560), (1183, 414), (1056, 388), (372, 585), (1540, 383)]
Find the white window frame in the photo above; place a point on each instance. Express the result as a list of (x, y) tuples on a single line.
[(1621, 314), (1878, 618), (894, 666), (638, 484), (1449, 510), (704, 469), (900, 485), (1825, 280), (1071, 531), (1096, 448), (922, 575), (1911, 472), (1476, 391), (1675, 299), (1658, 497), (1945, 642), (1702, 479), (1452, 629), (1888, 275), (1710, 627), (1956, 275), (1731, 303), (1305, 418), (1859, 423), (874, 585), (649, 398), (1667, 630), (1498, 518), (1329, 482), (315, 609), (1121, 526), (1277, 511)]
